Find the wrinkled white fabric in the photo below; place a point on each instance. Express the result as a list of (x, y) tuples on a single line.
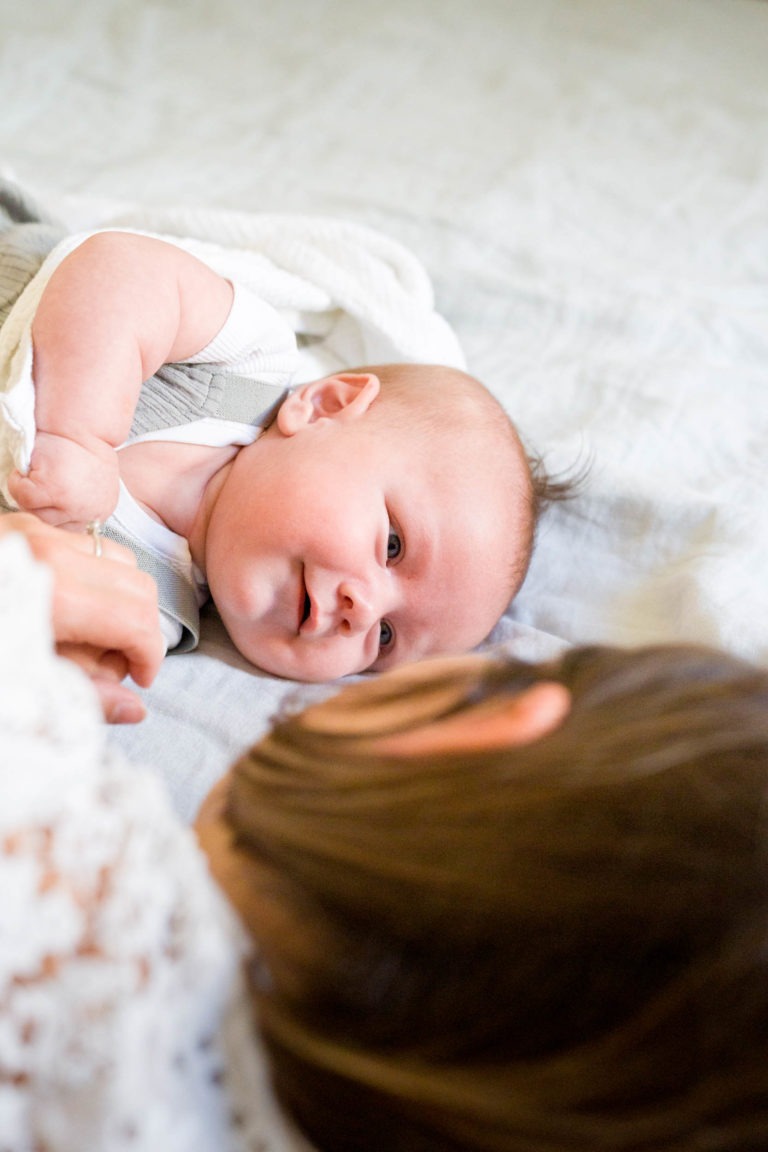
[(124, 1023)]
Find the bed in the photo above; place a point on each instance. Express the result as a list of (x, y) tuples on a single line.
[(585, 183)]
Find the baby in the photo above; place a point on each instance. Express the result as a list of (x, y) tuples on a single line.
[(348, 524)]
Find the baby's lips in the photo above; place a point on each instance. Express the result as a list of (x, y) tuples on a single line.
[(304, 601), (308, 613)]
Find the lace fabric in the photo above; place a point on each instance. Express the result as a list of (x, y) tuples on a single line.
[(124, 1023)]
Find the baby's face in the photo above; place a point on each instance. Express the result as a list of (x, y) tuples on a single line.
[(343, 548)]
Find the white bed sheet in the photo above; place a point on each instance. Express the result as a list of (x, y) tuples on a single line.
[(587, 184)]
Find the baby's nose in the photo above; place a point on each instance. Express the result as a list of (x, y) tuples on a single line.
[(358, 607)]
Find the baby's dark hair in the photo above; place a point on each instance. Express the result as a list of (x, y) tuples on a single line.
[(552, 488), (539, 948), (546, 488)]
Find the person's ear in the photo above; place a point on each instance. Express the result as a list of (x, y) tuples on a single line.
[(508, 722), (343, 396)]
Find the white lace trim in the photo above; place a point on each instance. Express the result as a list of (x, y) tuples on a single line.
[(124, 1025)]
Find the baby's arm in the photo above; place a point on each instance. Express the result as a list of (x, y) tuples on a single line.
[(113, 312)]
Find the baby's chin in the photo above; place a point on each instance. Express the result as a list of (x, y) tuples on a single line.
[(288, 662)]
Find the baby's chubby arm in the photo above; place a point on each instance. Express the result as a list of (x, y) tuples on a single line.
[(117, 308)]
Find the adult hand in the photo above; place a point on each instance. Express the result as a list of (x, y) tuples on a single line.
[(104, 612)]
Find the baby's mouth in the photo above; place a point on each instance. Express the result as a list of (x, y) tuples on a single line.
[(305, 605)]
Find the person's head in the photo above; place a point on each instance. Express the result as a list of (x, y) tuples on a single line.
[(387, 514), (520, 907)]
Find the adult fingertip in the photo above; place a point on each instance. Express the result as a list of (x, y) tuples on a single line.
[(127, 711), (145, 676)]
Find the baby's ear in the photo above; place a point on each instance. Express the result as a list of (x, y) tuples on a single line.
[(343, 396)]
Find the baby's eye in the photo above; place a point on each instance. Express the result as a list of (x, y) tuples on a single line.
[(394, 544), (386, 636)]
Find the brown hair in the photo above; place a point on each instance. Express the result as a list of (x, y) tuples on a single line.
[(532, 949)]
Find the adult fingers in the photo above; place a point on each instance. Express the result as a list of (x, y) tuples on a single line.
[(101, 600), (111, 606), (119, 704)]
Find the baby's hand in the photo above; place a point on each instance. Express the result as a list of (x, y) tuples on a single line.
[(68, 484)]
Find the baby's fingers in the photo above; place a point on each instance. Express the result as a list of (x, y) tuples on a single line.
[(30, 493), (66, 483), (53, 507)]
